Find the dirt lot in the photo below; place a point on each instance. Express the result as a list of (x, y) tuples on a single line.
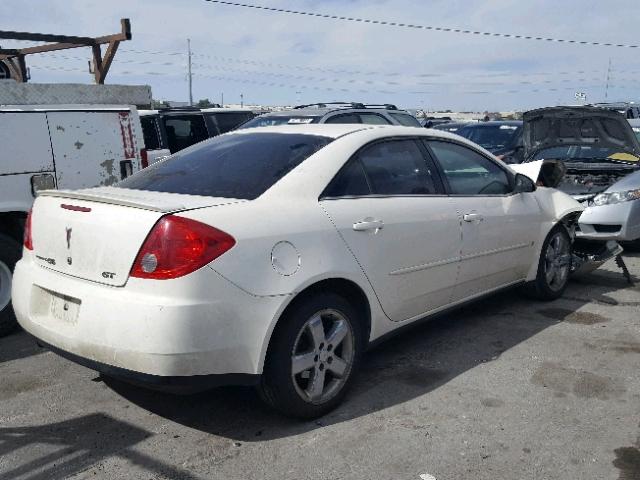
[(505, 389)]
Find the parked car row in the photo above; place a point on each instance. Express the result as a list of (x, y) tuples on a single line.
[(275, 254)]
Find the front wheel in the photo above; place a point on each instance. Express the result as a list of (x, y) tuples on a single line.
[(313, 357), (554, 266)]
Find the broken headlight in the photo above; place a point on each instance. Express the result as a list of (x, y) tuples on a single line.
[(616, 197)]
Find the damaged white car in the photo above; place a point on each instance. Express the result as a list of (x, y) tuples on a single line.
[(275, 256), (593, 155)]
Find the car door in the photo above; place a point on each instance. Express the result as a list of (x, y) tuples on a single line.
[(388, 205), (498, 226)]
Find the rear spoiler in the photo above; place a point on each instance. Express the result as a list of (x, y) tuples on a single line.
[(113, 198)]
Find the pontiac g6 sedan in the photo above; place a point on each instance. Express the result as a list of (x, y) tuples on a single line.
[(275, 256)]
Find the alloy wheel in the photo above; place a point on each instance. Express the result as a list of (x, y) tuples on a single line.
[(557, 261), (322, 356)]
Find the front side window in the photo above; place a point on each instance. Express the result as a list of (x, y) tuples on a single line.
[(373, 119), (468, 172), (230, 166), (397, 167), (228, 121), (184, 131)]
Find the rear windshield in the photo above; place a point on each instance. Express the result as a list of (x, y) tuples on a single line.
[(230, 166), (271, 120), (494, 137), (406, 119)]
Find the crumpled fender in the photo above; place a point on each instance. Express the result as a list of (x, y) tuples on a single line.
[(555, 207)]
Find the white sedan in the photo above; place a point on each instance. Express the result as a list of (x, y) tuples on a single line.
[(274, 257)]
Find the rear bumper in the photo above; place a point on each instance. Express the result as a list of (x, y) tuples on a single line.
[(620, 222), (177, 384), (156, 331)]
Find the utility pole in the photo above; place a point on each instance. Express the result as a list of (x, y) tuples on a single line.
[(241, 100), (190, 75), (606, 88), (222, 99)]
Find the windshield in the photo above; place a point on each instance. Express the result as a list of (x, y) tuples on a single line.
[(584, 153), (273, 120), (231, 166), (493, 137)]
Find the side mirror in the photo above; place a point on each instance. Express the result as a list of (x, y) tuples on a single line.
[(523, 184)]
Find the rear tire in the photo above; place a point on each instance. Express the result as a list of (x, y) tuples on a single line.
[(313, 356), (10, 253), (554, 266)]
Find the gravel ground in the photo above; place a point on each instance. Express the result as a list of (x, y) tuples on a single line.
[(507, 388)]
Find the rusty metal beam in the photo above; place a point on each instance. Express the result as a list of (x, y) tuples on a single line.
[(45, 37), (15, 58), (106, 61)]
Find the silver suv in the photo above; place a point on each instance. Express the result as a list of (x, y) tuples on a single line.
[(336, 112)]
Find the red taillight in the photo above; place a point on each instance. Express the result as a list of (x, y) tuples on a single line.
[(144, 158), (177, 246), (28, 241)]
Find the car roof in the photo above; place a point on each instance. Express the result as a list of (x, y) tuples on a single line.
[(493, 123), (226, 110), (336, 130), (321, 111)]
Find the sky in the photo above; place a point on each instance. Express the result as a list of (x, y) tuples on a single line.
[(270, 58)]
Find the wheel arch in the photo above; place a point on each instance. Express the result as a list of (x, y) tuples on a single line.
[(344, 287)]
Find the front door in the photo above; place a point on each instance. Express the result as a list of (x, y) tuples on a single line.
[(388, 206), (498, 226)]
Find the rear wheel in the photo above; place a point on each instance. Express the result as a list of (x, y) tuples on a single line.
[(10, 253), (313, 357), (554, 266)]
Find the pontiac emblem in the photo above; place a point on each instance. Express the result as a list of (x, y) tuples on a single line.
[(68, 238)]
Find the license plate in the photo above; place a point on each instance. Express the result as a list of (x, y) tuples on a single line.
[(64, 308)]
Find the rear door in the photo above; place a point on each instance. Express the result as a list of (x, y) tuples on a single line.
[(498, 226), (184, 130), (93, 147), (387, 204), (152, 139), (24, 143)]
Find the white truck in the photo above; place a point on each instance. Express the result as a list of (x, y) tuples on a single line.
[(57, 146)]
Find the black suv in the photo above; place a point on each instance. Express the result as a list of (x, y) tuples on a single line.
[(169, 130)]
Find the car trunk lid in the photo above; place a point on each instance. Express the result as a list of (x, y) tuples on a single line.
[(95, 234)]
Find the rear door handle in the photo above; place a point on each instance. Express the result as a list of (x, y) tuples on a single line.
[(472, 217), (368, 224)]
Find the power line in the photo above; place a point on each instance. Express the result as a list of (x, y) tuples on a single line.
[(423, 27)]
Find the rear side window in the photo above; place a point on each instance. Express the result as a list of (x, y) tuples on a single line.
[(150, 133), (350, 182), (344, 118), (397, 167), (406, 119), (184, 131), (231, 166), (228, 121), (373, 119), (468, 172)]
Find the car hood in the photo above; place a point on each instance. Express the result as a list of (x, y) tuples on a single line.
[(581, 126)]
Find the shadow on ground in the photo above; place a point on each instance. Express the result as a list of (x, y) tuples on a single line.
[(73, 446), (16, 346), (405, 367)]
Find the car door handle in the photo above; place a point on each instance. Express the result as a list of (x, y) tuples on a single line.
[(472, 217), (368, 224)]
